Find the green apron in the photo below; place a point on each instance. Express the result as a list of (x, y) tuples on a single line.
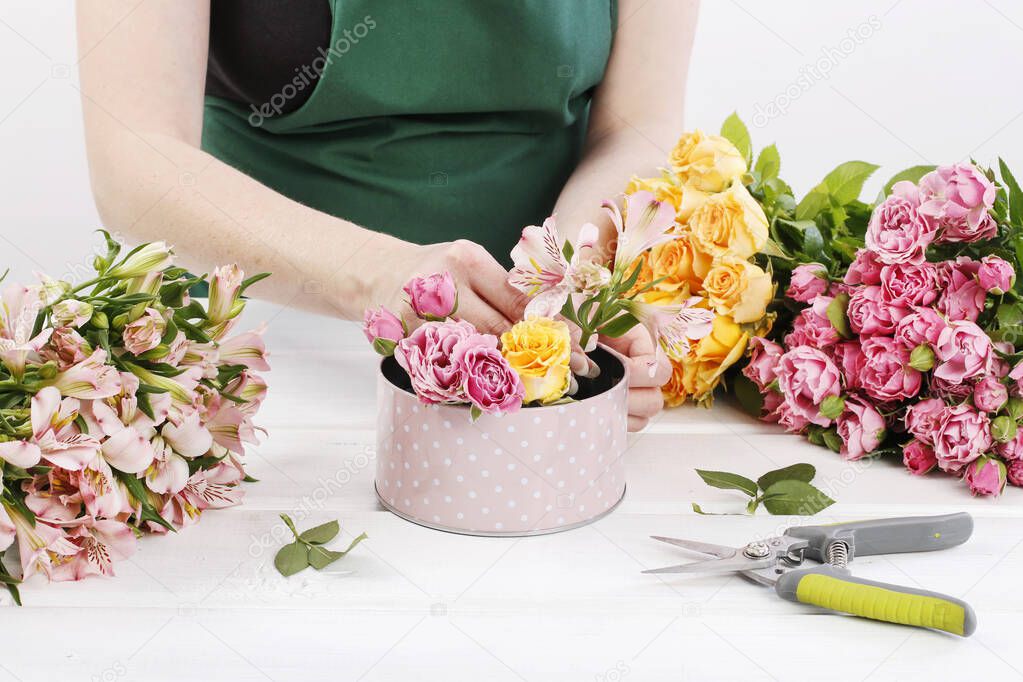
[(432, 121)]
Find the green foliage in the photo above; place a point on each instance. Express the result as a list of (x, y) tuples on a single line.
[(782, 491), (308, 548), (735, 131)]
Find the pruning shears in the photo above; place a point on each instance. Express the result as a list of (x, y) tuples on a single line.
[(778, 562)]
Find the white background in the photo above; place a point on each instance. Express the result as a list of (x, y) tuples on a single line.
[(935, 81)]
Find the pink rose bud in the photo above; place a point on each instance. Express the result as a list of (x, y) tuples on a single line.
[(383, 329), (887, 374), (433, 297), (918, 457), (898, 232), (962, 436), (986, 476), (1014, 472), (906, 285), (806, 376), (808, 281), (763, 362), (962, 297), (922, 418), (865, 269), (144, 334), (1011, 450), (989, 394), (995, 275), (922, 326), (861, 427), (869, 313)]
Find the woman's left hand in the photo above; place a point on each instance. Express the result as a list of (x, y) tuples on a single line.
[(648, 370)]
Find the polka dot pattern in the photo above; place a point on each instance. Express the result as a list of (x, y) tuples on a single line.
[(538, 470)]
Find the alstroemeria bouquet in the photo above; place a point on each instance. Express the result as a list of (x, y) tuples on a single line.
[(448, 361), (721, 231), (124, 407), (912, 348)]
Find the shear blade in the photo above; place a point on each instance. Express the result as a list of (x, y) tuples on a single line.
[(724, 565), (719, 551)]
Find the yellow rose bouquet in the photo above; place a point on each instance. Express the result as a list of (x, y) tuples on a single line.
[(720, 251)]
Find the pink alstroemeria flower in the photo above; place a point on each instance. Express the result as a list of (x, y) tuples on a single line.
[(19, 307), (100, 542), (55, 437), (92, 378), (40, 545), (646, 224), (245, 349), (673, 326), (8, 531), (544, 274)]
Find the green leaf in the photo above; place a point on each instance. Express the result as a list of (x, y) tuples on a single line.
[(246, 283), (832, 440), (475, 413), (794, 497), (291, 558), (773, 249), (911, 174), (619, 326), (815, 201), (321, 557), (749, 396), (138, 491), (568, 250), (796, 472), (321, 534), (768, 163), (1015, 194), (290, 524), (841, 186), (837, 312), (728, 481), (699, 510), (813, 242), (735, 131), (832, 406), (10, 582)]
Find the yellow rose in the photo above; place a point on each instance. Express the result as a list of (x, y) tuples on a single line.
[(738, 288), (679, 266), (698, 374), (662, 189), (539, 350), (729, 222), (707, 162)]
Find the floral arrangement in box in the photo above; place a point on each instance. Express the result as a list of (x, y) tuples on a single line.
[(449, 362), (725, 207), (124, 409), (906, 339)]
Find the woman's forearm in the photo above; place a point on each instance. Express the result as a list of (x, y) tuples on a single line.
[(155, 187)]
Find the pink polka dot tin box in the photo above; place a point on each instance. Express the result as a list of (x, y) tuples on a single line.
[(539, 470)]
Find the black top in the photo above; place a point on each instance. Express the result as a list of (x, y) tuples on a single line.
[(258, 46)]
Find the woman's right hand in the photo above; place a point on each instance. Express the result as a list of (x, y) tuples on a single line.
[(484, 296)]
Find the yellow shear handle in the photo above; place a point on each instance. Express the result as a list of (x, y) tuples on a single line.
[(837, 590)]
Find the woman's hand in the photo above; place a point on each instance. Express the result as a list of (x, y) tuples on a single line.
[(484, 296), (647, 370)]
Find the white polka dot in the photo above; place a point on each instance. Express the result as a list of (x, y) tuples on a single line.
[(593, 410), (582, 472), (415, 408), (398, 483), (571, 422), (511, 429), (561, 447), (561, 484), (498, 451), (472, 456), (549, 470), (582, 435), (536, 458), (447, 424), (460, 515), (524, 444), (486, 436), (447, 461), (550, 434), (571, 460), (436, 444), (511, 466), (485, 510), (426, 465), (485, 473), (511, 504), (561, 519), (600, 493), (407, 428), (549, 507), (447, 498), (391, 464), (498, 525), (561, 410), (593, 446), (415, 484), (524, 518), (436, 519), (498, 489), (426, 500), (426, 427), (415, 446), (472, 494), (459, 440), (524, 481), (407, 502), (398, 410), (387, 484), (436, 481), (536, 494), (536, 420), (582, 507), (407, 465), (459, 478)]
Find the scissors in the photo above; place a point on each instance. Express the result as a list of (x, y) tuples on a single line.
[(778, 562)]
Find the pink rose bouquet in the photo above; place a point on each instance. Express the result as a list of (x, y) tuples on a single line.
[(124, 409), (903, 333)]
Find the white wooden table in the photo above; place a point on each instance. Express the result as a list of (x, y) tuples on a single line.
[(417, 604)]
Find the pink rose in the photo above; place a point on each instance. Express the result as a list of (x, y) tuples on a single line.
[(985, 476), (488, 380), (426, 355), (964, 350), (886, 374), (865, 269), (963, 435), (950, 391), (923, 418), (922, 326), (812, 327), (382, 324), (962, 297), (898, 232), (786, 416), (861, 427), (958, 198), (989, 394), (848, 355), (918, 457), (808, 281), (907, 285), (870, 314), (1014, 472), (1012, 450), (144, 334), (66, 348), (773, 401), (433, 297), (806, 377), (995, 275), (763, 361)]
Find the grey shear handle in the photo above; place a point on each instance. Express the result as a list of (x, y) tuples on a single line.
[(835, 589), (887, 536)]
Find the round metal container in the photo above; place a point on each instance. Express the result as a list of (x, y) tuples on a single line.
[(539, 470)]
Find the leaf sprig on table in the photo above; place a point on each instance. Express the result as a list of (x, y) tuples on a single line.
[(308, 550), (782, 491)]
